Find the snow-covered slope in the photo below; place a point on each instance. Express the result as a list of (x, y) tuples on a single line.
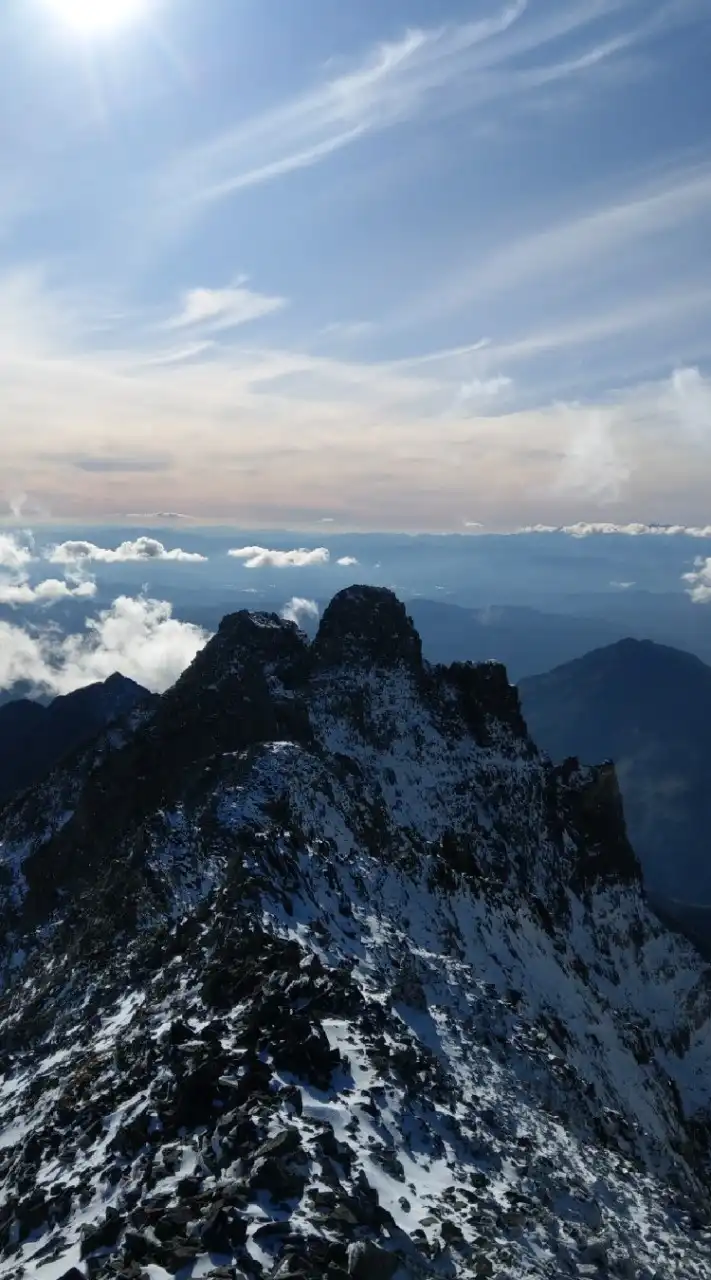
[(319, 969)]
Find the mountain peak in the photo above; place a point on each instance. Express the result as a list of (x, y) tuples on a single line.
[(367, 625), (244, 644), (647, 707)]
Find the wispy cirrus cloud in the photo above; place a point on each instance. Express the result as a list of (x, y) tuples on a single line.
[(214, 310), (565, 249), (143, 549), (431, 71)]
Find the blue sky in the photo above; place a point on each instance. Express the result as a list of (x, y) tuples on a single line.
[(405, 266)]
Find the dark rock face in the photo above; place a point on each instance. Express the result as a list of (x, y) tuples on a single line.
[(605, 854), (367, 1262), (486, 695), (246, 641), (35, 737), (367, 626), (242, 688)]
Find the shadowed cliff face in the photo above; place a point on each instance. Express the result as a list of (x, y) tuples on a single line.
[(315, 967), (34, 737)]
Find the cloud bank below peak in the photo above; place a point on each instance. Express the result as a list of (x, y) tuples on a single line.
[(136, 636)]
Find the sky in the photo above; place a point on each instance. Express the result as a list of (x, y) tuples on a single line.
[(412, 266)]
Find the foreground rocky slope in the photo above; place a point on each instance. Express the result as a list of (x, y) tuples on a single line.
[(317, 968)]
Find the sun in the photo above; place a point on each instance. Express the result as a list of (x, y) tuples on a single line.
[(92, 17)]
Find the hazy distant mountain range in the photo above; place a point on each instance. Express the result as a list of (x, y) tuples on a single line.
[(647, 707)]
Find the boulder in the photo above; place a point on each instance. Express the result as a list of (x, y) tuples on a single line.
[(367, 1261)]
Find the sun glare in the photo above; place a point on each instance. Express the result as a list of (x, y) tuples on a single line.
[(95, 16)]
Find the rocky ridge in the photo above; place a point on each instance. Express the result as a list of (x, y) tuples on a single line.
[(34, 737), (317, 968)]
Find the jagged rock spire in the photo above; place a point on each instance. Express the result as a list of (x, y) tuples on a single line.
[(367, 626)]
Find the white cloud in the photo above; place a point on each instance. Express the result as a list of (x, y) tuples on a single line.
[(593, 463), (299, 610), (699, 581), (15, 585), (217, 309), (14, 555), (691, 399), (477, 389), (138, 637), (142, 549), (347, 561), (48, 592), (263, 558), (587, 529)]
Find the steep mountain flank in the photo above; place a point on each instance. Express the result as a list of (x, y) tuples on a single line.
[(317, 968)]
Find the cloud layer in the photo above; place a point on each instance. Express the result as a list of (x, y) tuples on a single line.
[(636, 529), (555, 345), (136, 636)]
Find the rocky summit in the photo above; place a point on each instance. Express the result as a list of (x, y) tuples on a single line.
[(316, 968)]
